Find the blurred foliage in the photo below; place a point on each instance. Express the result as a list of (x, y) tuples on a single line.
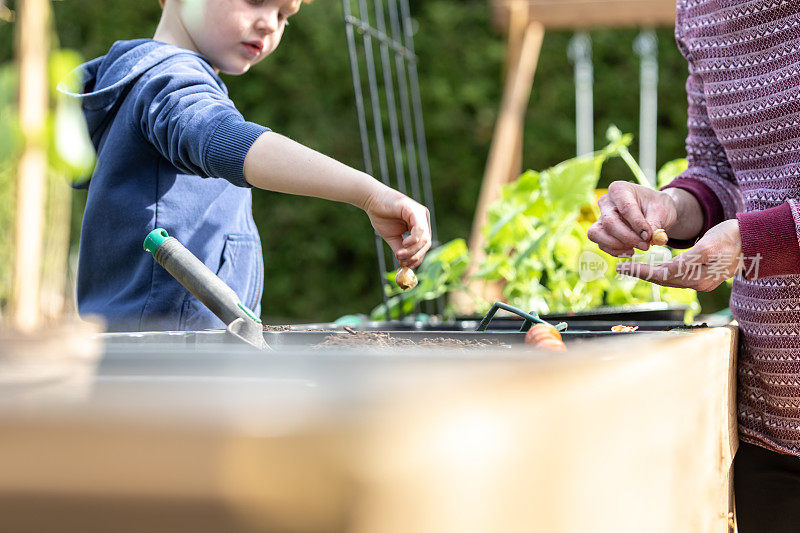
[(10, 143), (537, 243), (70, 156), (305, 91)]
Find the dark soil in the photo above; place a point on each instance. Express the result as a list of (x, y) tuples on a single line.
[(385, 340), (267, 327), (692, 326)]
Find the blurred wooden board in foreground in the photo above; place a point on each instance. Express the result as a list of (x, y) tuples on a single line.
[(586, 14), (626, 435)]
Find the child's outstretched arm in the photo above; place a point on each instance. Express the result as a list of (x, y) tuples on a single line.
[(277, 163)]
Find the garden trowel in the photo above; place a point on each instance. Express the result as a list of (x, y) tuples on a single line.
[(215, 294)]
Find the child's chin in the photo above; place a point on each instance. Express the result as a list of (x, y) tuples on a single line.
[(234, 70)]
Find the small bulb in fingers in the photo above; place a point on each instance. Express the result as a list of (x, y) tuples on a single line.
[(660, 238), (405, 278)]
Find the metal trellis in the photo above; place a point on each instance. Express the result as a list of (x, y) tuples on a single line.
[(390, 119)]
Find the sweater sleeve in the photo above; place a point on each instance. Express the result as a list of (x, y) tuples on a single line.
[(770, 241), (188, 118), (709, 177), (710, 205), (770, 238)]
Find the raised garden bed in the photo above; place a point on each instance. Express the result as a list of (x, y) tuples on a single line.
[(339, 340), (313, 439), (647, 317)]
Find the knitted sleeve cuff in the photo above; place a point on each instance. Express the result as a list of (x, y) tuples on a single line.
[(713, 212), (228, 146), (769, 242)]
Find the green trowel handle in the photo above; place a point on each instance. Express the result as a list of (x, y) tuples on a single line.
[(196, 277)]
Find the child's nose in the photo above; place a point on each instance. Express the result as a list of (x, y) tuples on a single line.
[(268, 21)]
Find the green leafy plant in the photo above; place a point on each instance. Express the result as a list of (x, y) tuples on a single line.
[(537, 245), (10, 144), (70, 157)]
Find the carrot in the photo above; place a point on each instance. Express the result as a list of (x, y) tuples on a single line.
[(546, 337)]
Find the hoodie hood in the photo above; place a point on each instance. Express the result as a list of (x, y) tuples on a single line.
[(107, 79)]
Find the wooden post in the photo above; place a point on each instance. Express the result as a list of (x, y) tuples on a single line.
[(516, 31), (500, 165), (504, 163), (505, 154), (33, 47), (586, 14)]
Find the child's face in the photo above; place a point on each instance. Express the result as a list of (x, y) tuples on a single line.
[(236, 34)]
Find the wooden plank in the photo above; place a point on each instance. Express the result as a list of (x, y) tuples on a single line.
[(504, 159), (587, 14), (585, 444), (730, 438), (628, 435), (516, 33)]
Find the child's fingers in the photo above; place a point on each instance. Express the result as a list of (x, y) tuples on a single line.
[(415, 260), (420, 235), (396, 244), (419, 219), (412, 248), (415, 252), (417, 235), (410, 241), (411, 255)]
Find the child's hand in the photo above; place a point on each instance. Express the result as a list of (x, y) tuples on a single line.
[(392, 214)]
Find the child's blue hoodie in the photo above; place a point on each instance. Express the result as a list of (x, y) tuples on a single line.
[(170, 154)]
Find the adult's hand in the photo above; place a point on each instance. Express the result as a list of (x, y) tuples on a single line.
[(631, 213), (715, 258)]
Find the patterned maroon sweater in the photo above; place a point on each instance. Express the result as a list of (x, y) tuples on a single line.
[(744, 161)]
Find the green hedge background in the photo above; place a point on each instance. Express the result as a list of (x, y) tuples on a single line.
[(320, 256)]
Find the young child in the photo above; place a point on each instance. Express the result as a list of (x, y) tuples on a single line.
[(173, 152)]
